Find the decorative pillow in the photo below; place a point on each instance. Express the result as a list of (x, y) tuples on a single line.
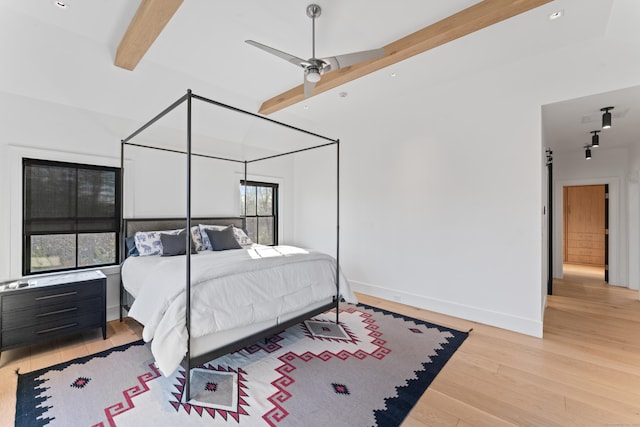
[(196, 236), (241, 236), (206, 243), (148, 242), (222, 240), (173, 244), (130, 243)]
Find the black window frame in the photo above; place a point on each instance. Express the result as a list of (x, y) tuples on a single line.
[(26, 235), (275, 188)]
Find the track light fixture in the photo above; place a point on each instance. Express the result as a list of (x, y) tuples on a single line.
[(606, 117), (595, 139), (587, 152)]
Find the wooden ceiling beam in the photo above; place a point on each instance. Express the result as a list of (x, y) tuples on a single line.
[(467, 21), (147, 24)]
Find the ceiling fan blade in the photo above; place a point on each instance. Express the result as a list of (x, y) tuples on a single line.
[(341, 61), (287, 57), (308, 88)]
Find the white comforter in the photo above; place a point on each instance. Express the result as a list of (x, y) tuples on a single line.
[(229, 289)]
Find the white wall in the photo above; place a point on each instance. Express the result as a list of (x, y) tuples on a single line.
[(315, 208), (449, 218), (634, 216)]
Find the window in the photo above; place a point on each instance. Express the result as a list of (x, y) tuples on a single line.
[(71, 216), (262, 211)]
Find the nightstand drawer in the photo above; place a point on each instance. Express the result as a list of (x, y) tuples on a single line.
[(49, 295), (50, 313), (34, 333)]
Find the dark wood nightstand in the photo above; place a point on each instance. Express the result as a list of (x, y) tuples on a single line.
[(45, 307)]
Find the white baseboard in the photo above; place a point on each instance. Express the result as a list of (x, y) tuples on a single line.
[(475, 314)]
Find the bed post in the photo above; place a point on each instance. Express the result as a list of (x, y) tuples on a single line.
[(244, 217), (187, 376), (337, 231), (122, 253)]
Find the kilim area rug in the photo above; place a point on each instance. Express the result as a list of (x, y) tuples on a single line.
[(368, 371)]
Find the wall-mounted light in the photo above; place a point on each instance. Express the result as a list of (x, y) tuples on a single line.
[(606, 117), (595, 139), (587, 152)]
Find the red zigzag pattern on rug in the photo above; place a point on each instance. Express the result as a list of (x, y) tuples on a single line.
[(278, 413), (129, 394)]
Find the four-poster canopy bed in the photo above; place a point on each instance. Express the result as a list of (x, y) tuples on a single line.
[(278, 286)]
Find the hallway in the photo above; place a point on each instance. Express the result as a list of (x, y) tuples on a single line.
[(602, 320)]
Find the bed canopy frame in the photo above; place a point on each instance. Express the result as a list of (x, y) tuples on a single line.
[(188, 361)]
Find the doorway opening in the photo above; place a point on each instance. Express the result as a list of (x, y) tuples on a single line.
[(586, 229)]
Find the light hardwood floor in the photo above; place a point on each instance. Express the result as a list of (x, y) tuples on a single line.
[(584, 372)]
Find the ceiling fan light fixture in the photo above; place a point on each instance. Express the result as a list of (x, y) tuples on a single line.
[(313, 75), (314, 67), (606, 117)]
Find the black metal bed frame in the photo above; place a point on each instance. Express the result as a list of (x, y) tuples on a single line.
[(189, 362)]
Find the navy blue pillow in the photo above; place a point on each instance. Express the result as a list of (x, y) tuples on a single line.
[(130, 243), (222, 240)]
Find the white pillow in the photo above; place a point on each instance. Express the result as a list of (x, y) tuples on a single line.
[(148, 242), (241, 237), (196, 236)]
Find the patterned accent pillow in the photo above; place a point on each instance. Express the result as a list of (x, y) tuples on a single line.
[(148, 242), (206, 243), (241, 237), (196, 236)]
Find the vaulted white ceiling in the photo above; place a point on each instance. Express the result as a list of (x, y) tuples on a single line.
[(67, 57)]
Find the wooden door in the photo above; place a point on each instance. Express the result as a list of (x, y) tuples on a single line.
[(584, 225)]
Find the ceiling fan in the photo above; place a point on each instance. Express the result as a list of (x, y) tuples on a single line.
[(314, 67)]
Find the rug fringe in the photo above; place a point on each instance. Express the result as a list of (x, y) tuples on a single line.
[(469, 331)]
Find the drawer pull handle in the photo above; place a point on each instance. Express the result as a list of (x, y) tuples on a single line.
[(46, 331), (51, 313), (66, 294)]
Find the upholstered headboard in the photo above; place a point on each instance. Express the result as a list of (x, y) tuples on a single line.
[(133, 225)]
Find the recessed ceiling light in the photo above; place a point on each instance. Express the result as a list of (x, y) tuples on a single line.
[(306, 107), (555, 15), (343, 94), (393, 74), (60, 4)]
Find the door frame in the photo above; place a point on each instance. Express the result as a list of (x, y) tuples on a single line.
[(614, 211)]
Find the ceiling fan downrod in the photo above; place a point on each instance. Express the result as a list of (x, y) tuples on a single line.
[(313, 72), (313, 12)]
